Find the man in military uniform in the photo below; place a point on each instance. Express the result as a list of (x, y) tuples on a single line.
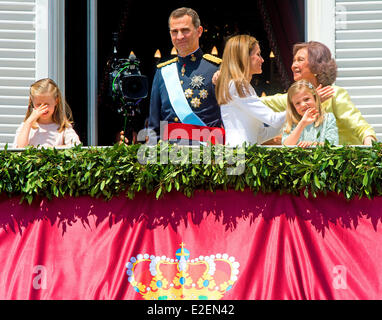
[(183, 94)]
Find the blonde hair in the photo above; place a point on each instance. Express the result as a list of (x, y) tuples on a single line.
[(235, 67), (292, 116), (62, 114)]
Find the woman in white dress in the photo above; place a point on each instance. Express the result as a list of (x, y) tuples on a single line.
[(246, 119)]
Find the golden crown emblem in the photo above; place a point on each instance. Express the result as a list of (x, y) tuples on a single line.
[(162, 278)]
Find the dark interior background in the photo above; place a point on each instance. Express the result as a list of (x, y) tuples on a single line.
[(76, 63), (143, 28)]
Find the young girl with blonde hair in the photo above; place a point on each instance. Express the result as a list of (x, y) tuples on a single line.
[(48, 121), (246, 119), (306, 122)]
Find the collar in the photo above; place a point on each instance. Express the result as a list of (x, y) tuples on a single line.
[(195, 56)]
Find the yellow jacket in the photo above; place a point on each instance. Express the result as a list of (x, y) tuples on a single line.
[(352, 127)]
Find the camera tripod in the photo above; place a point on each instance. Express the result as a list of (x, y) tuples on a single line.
[(129, 111)]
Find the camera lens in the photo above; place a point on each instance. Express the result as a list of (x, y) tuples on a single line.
[(134, 87)]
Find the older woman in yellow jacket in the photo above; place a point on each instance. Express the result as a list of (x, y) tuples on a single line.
[(313, 62)]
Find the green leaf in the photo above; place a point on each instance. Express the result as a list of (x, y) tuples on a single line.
[(107, 172), (56, 191), (317, 182), (177, 185), (159, 193), (365, 181), (29, 199)]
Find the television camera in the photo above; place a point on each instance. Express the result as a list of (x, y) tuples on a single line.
[(127, 87)]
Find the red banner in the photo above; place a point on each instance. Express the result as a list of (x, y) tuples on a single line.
[(221, 246)]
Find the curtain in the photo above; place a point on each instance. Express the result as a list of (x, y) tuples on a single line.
[(221, 246), (284, 22)]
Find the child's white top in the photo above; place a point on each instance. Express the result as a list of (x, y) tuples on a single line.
[(244, 119), (47, 135)]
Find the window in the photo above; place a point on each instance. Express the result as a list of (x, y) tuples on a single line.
[(353, 32), (27, 35)]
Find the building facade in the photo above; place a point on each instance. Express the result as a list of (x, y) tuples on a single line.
[(33, 46)]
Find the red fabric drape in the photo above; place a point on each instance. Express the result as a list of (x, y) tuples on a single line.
[(278, 247)]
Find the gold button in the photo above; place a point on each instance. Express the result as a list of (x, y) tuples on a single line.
[(181, 82), (176, 120)]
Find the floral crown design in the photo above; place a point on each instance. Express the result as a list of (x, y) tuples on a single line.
[(162, 278)]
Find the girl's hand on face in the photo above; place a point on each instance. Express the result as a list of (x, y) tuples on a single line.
[(310, 116), (325, 93), (38, 112)]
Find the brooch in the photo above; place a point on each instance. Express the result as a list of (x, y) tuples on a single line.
[(203, 94), (197, 82), (196, 103), (189, 93)]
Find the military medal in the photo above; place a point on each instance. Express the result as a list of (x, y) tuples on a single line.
[(183, 70), (189, 93), (196, 103), (197, 82), (203, 94)]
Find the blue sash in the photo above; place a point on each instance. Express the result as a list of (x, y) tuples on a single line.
[(177, 98)]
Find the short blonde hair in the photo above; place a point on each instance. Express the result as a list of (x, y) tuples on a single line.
[(235, 67), (292, 116), (62, 114)]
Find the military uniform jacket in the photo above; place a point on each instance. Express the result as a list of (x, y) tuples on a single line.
[(195, 73)]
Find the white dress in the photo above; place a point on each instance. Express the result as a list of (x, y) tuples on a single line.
[(47, 135), (244, 119)]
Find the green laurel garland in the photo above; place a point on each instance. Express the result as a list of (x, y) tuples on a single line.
[(109, 172)]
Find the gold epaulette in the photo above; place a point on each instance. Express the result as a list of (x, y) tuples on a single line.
[(211, 58), (161, 65)]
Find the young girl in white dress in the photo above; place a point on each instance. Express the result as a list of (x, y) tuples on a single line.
[(48, 121), (306, 123)]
